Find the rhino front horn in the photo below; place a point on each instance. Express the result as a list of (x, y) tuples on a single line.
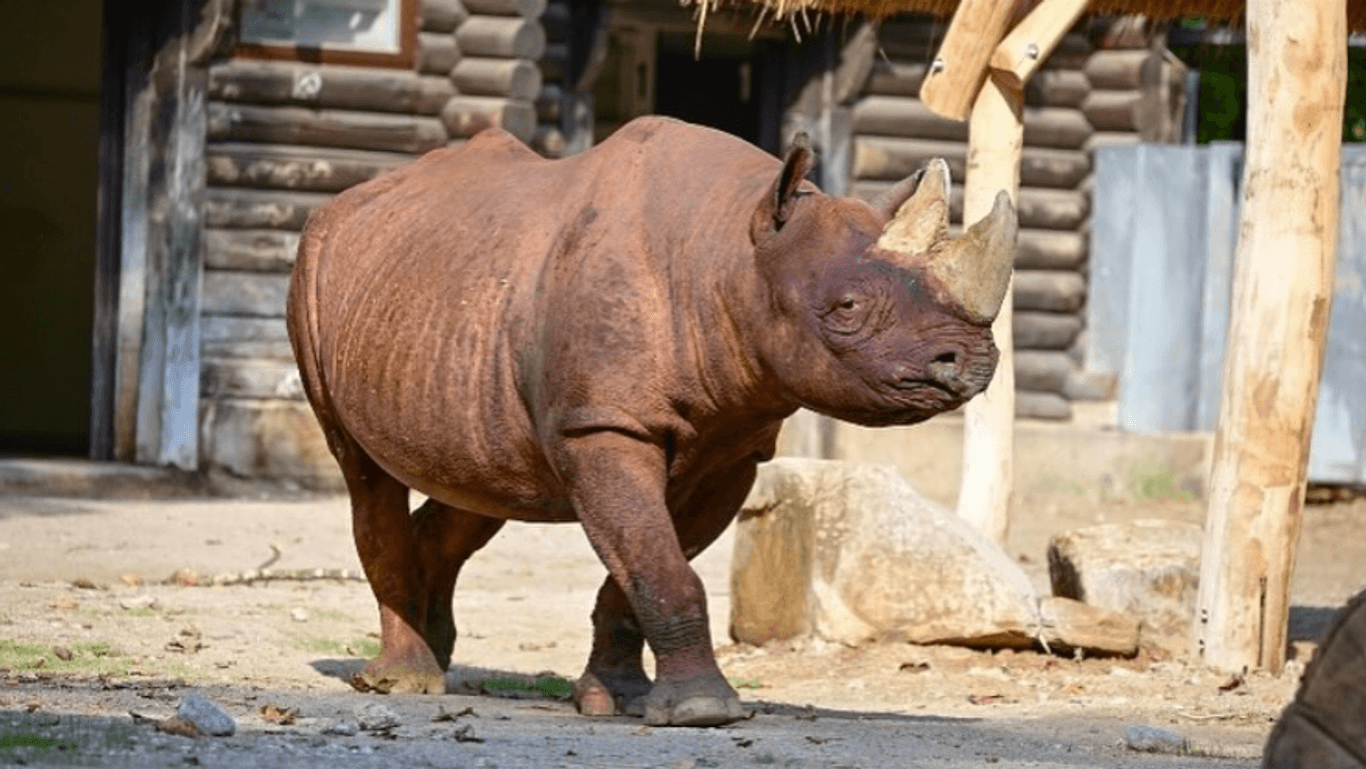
[(975, 269)]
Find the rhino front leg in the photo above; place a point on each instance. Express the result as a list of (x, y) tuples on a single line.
[(617, 482), (383, 533), (614, 682)]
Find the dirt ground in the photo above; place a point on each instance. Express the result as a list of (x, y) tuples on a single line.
[(96, 644)]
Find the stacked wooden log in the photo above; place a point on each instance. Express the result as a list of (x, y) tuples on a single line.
[(894, 134)]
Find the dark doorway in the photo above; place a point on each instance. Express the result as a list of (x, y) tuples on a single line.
[(49, 96), (719, 90)]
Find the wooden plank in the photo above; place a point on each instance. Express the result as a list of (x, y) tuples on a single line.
[(501, 37), (959, 68), (168, 382), (1287, 245), (901, 116), (1049, 290), (1045, 330), (326, 128), (253, 250), (251, 378), (253, 294), (259, 209), (889, 158), (1050, 250), (896, 78), (509, 78), (1039, 208), (361, 88), (280, 439), (1043, 370), (1117, 70), (995, 148), (1056, 88), (528, 9), (1051, 406), (465, 116), (290, 167), (1113, 110), (243, 337), (1032, 40), (437, 52), (442, 15)]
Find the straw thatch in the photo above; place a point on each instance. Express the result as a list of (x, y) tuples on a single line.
[(1213, 10)]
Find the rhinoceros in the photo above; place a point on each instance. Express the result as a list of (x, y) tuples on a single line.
[(614, 339)]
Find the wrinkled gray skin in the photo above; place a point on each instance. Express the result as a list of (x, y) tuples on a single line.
[(612, 339)]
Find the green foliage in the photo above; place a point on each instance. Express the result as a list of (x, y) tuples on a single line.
[(554, 687), (356, 647), (1156, 481), (96, 658)]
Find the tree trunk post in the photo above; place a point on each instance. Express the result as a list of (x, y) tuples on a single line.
[(995, 143), (1281, 295)]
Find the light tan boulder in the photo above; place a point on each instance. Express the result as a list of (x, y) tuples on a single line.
[(850, 552), (1148, 570)]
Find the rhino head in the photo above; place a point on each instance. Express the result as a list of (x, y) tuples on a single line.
[(873, 314)]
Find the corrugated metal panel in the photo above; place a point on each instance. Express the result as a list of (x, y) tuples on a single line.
[(1161, 285)]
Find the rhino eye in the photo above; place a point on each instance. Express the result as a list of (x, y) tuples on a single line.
[(847, 314)]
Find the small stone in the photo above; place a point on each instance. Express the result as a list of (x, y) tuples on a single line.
[(375, 717), (63, 653), (208, 717), (298, 614), (1153, 739), (143, 601), (340, 728)]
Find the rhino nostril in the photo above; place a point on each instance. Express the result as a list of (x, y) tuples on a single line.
[(950, 358)]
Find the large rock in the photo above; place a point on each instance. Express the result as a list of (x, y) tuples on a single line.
[(1325, 726), (1148, 570), (850, 552)]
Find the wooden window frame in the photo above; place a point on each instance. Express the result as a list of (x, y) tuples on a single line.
[(405, 58)]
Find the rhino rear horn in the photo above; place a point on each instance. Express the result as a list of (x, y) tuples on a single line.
[(923, 220), (975, 269)]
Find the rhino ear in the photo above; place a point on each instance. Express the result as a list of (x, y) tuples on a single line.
[(776, 207)]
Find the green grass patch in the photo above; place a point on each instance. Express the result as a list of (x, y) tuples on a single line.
[(356, 647), (746, 683), (554, 687), (95, 658), (329, 614), (1156, 481)]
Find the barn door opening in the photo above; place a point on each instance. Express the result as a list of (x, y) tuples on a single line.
[(50, 169), (717, 90)]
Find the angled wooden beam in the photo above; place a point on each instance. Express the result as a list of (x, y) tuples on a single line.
[(960, 67), (1026, 47), (1283, 279)]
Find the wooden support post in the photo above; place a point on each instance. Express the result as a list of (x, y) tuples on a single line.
[(995, 144), (1282, 288)]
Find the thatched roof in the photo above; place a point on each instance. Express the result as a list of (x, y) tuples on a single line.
[(1213, 10)]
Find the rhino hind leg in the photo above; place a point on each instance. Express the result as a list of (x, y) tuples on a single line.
[(446, 538), (383, 533), (614, 682)]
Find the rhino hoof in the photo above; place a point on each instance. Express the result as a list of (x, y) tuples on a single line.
[(398, 679), (702, 710)]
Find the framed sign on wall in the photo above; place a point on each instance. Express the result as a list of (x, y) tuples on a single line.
[(367, 32)]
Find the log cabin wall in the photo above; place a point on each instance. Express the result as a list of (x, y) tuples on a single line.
[(283, 137), (1106, 83)]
